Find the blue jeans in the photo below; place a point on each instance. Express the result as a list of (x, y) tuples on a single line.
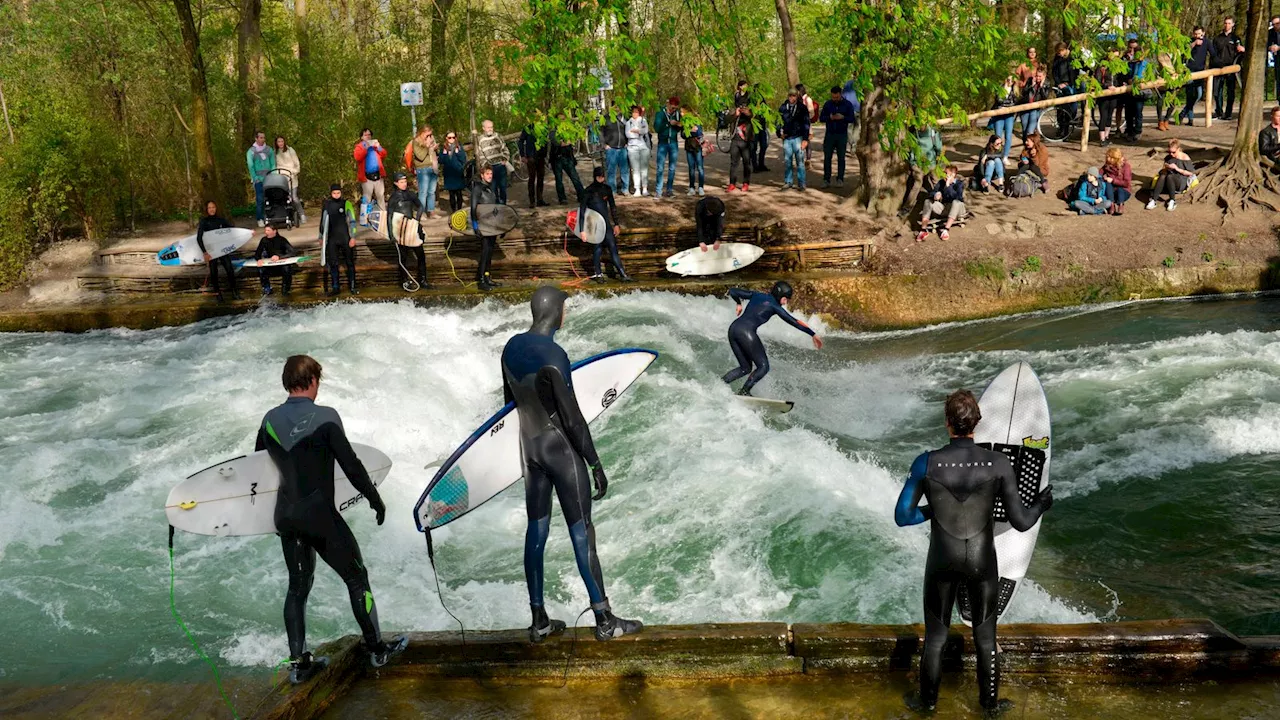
[(697, 172), (616, 163), (259, 199), (793, 161), (1193, 91), (1003, 126), (427, 180), (500, 182), (667, 159), (1030, 123), (1115, 194), (993, 169)]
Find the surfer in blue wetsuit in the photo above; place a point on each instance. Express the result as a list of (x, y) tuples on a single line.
[(746, 344), (554, 444), (961, 483), (304, 439)]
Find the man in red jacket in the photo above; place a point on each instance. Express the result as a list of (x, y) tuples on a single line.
[(369, 169)]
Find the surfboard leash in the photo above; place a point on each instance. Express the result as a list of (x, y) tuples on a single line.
[(454, 271), (573, 647), (173, 607), (431, 555), (576, 283)]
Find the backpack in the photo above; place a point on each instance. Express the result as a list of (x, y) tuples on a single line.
[(1022, 185), (1072, 191)]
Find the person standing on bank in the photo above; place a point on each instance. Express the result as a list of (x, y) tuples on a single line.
[(837, 114), (599, 197), (1224, 51), (961, 483), (213, 221), (669, 125), (794, 131), (482, 193), (421, 159), (740, 150), (340, 247), (274, 246), (617, 167), (563, 163), (287, 160), (535, 161), (261, 160), (638, 151), (491, 150), (304, 440), (404, 202), (368, 154), (453, 163)]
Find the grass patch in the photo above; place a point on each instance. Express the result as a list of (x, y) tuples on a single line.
[(1169, 261), (991, 268)]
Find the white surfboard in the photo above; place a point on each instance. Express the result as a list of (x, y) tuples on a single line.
[(593, 227), (731, 256), (488, 462), (768, 404), (220, 242), (1015, 421), (271, 263), (238, 496)]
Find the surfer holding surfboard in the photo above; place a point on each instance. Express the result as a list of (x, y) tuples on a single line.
[(962, 483), (304, 439), (340, 246), (598, 196), (213, 221), (555, 443), (746, 344)]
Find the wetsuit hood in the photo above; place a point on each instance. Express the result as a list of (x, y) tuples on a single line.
[(548, 310), (781, 289)]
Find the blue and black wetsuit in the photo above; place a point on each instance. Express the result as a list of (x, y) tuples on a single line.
[(961, 483), (746, 344), (304, 439), (554, 443)]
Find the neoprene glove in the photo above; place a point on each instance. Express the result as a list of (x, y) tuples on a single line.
[(379, 508), (1045, 499), (601, 482), (475, 226)]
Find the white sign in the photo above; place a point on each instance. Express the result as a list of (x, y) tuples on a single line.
[(604, 76), (411, 93)]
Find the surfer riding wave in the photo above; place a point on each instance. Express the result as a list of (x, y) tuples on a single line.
[(743, 337)]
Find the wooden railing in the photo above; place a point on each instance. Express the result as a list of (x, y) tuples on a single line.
[(1088, 98)]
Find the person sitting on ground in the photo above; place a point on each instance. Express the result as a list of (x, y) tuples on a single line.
[(989, 171), (1175, 176), (922, 163), (1034, 90), (406, 232), (213, 221), (1269, 138), (708, 215), (1091, 195), (598, 196), (272, 247), (1117, 178), (947, 197), (1035, 160)]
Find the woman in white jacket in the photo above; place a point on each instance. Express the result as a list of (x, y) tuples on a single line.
[(638, 151), (287, 159)]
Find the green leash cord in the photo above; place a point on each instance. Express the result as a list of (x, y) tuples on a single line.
[(173, 607)]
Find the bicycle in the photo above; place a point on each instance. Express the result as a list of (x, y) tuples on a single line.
[(520, 171), (1057, 123), (724, 130)]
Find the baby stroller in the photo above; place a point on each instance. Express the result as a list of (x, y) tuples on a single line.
[(278, 205)]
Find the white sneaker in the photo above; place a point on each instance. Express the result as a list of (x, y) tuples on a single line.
[(787, 186), (644, 192), (701, 191), (692, 191), (1151, 204), (1171, 206), (262, 223), (635, 193)]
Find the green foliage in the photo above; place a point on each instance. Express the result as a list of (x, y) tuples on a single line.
[(991, 268), (1169, 261), (1206, 256), (1031, 264)]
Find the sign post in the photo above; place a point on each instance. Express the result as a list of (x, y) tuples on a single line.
[(411, 95)]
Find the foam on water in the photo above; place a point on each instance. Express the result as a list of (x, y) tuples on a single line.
[(715, 512)]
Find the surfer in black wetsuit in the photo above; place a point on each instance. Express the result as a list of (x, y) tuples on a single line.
[(274, 246), (708, 216), (554, 443), (482, 193), (747, 348), (598, 196), (961, 483), (304, 439), (340, 247), (213, 221)]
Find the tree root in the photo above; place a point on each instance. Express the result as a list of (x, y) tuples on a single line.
[(1237, 186)]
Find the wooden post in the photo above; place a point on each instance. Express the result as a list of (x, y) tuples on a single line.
[(1084, 125), (1208, 101)]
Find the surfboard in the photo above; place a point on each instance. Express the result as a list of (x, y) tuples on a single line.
[(401, 225), (1015, 421), (593, 226), (220, 242), (493, 220), (271, 263), (488, 461), (731, 256), (238, 496), (768, 404)]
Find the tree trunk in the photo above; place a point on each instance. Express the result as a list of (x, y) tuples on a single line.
[(249, 68), (439, 68), (879, 191), (201, 133), (1013, 14), (1237, 182), (1054, 28), (788, 43), (303, 35)]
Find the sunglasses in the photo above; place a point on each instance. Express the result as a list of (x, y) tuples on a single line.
[(450, 137)]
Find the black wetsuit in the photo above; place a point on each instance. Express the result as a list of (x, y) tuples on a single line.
[(598, 196), (209, 223), (708, 215), (962, 482), (554, 442), (406, 203), (268, 248), (304, 440), (482, 193), (747, 348), (338, 251)]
